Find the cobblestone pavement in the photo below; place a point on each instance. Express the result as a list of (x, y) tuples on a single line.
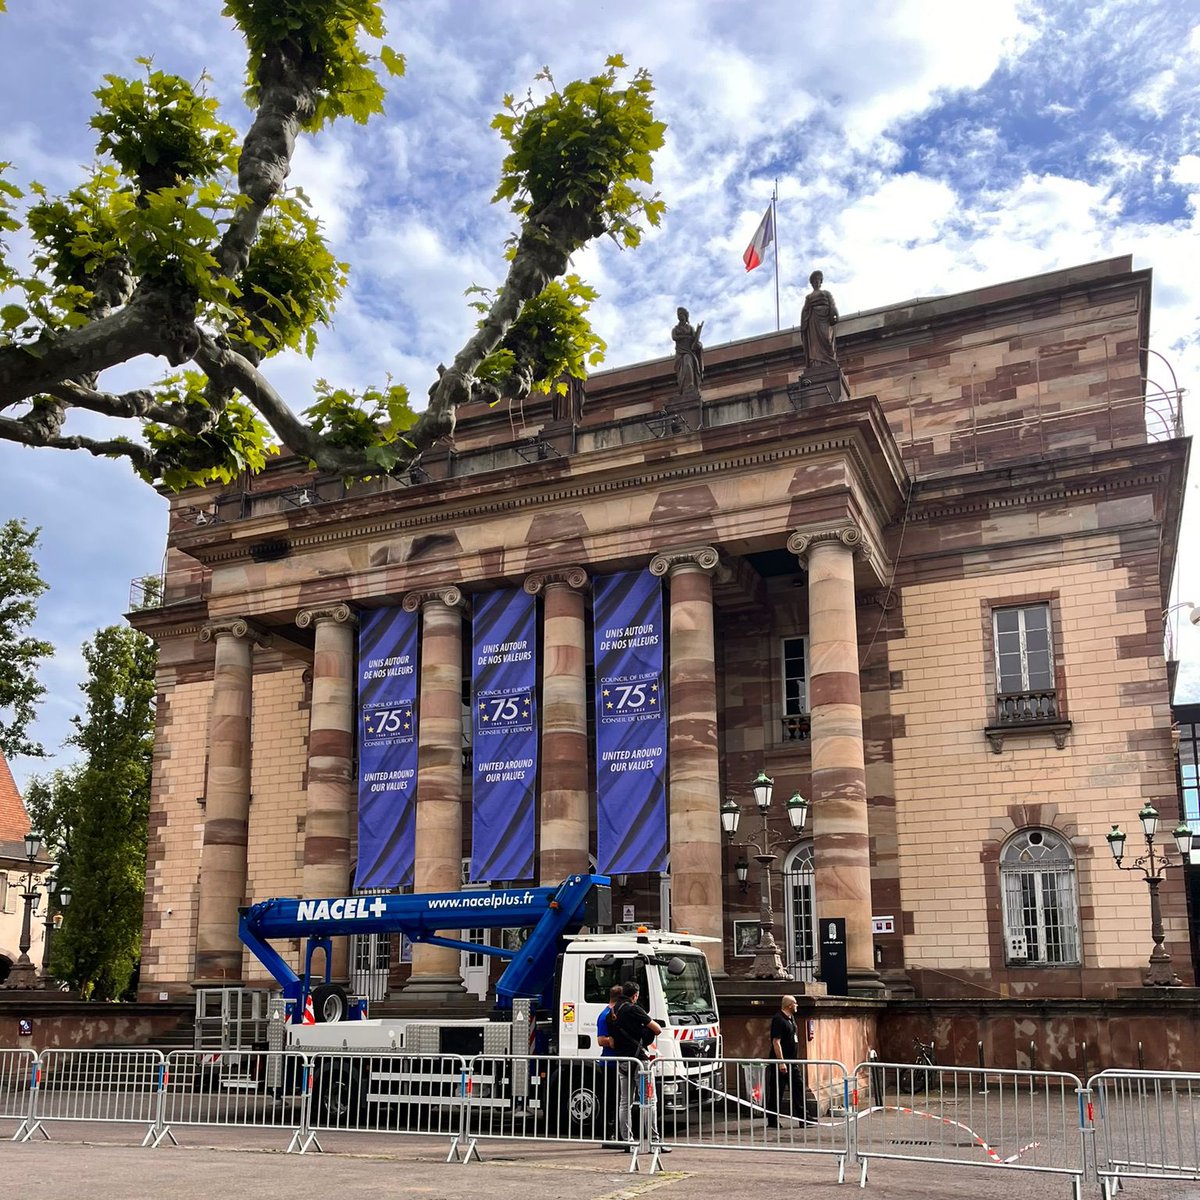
[(211, 1163)]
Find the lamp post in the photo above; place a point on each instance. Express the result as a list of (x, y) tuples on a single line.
[(767, 963), (1154, 868), (60, 897), (23, 974)]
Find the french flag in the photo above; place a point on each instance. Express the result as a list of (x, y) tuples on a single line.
[(764, 235)]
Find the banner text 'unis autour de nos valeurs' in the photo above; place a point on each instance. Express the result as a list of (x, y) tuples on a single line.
[(505, 742), (387, 748), (631, 728)]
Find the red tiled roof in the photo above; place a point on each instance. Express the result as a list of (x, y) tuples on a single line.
[(14, 820)]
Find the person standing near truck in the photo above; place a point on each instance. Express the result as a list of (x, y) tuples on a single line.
[(634, 1033), (608, 1061)]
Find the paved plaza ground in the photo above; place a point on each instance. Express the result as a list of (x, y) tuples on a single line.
[(241, 1163)]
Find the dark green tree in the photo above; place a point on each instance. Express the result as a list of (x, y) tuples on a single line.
[(185, 243), (20, 654), (94, 816)]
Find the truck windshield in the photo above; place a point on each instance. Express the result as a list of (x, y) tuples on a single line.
[(689, 994)]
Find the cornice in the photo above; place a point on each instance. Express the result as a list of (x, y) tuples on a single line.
[(602, 480)]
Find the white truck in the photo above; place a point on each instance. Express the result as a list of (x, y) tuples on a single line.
[(539, 1041)]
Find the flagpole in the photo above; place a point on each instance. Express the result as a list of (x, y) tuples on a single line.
[(775, 227)]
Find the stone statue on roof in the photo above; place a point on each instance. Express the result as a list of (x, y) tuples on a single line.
[(817, 319), (689, 356)]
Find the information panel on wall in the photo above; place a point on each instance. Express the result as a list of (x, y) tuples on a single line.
[(387, 748), (631, 726), (504, 735)]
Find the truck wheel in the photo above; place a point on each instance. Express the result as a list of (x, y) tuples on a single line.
[(580, 1108), (338, 1095), (329, 1003)]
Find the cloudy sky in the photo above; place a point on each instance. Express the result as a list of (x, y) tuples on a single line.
[(920, 146)]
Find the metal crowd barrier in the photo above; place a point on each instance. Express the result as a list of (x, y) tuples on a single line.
[(95, 1087), (969, 1117), (18, 1078), (396, 1093), (1147, 1126)]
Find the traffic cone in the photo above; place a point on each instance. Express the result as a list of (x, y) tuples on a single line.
[(310, 1017)]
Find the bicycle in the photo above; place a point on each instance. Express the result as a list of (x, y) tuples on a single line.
[(917, 1078)]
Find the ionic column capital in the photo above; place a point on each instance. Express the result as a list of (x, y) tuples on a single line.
[(239, 628), (448, 594), (849, 535), (340, 613), (572, 577), (704, 558)]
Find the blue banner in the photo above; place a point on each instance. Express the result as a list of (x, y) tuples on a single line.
[(631, 727), (505, 742), (387, 748)]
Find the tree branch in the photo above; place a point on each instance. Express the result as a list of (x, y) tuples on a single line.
[(140, 404), (141, 458)]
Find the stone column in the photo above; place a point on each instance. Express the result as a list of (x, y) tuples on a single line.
[(439, 827), (695, 791), (222, 888), (330, 759), (564, 808), (841, 841)]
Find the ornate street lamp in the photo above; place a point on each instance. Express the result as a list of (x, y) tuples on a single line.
[(767, 962), (57, 897), (1154, 868), (23, 973)]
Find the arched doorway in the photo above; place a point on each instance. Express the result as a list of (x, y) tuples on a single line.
[(799, 911)]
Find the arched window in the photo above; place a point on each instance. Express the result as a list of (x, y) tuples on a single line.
[(1041, 913), (799, 895)]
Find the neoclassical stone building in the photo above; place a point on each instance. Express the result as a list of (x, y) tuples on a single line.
[(924, 590)]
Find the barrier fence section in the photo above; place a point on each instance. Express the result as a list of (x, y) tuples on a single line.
[(1147, 1126), (18, 1078), (96, 1087), (395, 1092), (968, 1117), (259, 1089)]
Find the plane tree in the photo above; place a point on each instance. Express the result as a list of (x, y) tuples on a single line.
[(184, 244)]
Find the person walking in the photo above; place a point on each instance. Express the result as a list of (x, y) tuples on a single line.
[(634, 1033), (785, 1076)]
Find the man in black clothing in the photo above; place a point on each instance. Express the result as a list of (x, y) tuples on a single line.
[(633, 1032), (785, 1075)]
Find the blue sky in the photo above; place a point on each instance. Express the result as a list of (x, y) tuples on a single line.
[(921, 147)]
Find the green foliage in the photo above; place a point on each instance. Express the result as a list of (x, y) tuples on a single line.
[(326, 32), (585, 149), (291, 282), (551, 337), (94, 816), (9, 193), (233, 440), (372, 421), (20, 655), (161, 131)]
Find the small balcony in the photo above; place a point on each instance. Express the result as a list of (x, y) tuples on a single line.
[(796, 728), (1026, 708)]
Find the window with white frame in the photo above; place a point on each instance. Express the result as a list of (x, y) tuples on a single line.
[(1041, 911), (1024, 664), (794, 653), (3, 891)]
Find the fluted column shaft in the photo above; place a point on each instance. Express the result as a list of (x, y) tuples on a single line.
[(564, 776), (439, 827), (327, 826), (841, 842), (695, 793), (222, 885)]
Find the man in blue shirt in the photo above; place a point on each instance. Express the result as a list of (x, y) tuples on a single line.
[(606, 1079)]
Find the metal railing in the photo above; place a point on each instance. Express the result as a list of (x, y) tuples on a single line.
[(1146, 1126), (970, 1117)]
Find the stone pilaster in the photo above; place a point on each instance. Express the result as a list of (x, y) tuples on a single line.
[(330, 758), (695, 793), (564, 808), (841, 840), (222, 886), (439, 822)]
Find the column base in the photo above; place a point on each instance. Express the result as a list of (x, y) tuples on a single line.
[(423, 992), (865, 982)]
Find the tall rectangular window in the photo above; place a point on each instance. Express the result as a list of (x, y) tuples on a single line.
[(1024, 664), (795, 688)]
